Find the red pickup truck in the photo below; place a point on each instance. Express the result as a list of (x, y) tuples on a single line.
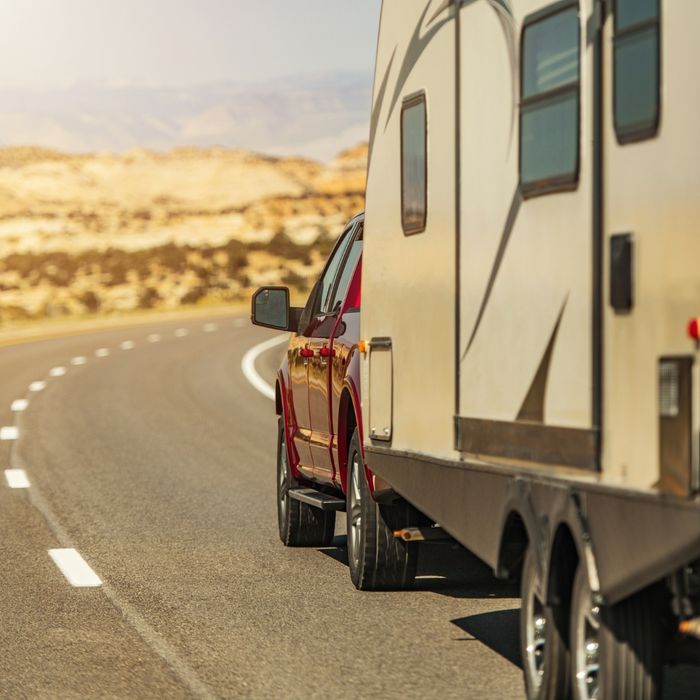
[(320, 456)]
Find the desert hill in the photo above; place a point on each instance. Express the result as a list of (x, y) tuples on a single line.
[(106, 232)]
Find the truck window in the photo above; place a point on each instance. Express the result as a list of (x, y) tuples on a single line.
[(414, 164), (636, 69), (346, 275), (330, 273), (549, 112), (324, 285)]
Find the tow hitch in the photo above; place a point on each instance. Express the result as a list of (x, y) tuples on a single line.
[(423, 534)]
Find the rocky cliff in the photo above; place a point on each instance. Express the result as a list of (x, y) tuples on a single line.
[(145, 229)]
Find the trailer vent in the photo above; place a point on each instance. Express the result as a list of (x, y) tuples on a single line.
[(675, 425), (668, 389)]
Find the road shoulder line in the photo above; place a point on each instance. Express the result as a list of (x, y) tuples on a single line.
[(248, 364)]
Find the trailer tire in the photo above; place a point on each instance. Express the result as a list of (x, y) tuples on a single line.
[(300, 524), (543, 639), (377, 559), (623, 642)]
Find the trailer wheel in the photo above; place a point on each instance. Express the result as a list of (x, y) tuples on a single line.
[(616, 652), (543, 642), (300, 524), (378, 560)]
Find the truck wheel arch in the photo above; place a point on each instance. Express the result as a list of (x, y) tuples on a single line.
[(349, 418)]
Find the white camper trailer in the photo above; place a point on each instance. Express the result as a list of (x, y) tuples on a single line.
[(531, 377)]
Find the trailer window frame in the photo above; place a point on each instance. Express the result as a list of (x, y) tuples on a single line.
[(564, 182), (414, 100), (640, 131)]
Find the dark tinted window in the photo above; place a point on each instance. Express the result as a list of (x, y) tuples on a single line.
[(551, 53), (330, 273), (636, 69), (631, 12), (346, 275), (414, 164), (549, 114)]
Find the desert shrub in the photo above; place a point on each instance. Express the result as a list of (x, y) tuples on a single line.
[(294, 279), (193, 296), (237, 256), (142, 214), (90, 301), (281, 244), (148, 298)]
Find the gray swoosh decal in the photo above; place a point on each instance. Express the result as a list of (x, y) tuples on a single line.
[(532, 410), (500, 253), (416, 46), (445, 5), (504, 12), (376, 111)]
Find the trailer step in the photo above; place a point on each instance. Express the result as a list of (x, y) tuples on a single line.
[(317, 499), (423, 534)]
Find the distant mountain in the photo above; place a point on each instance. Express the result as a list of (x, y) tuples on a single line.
[(314, 117)]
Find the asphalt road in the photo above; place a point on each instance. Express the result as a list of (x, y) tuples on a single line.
[(155, 461)]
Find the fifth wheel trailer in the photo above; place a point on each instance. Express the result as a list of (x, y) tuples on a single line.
[(530, 374)]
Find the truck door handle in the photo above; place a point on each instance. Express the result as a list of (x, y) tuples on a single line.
[(306, 352), (325, 351)]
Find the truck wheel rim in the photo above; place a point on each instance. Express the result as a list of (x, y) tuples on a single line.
[(283, 484), (355, 513), (587, 649), (535, 636)]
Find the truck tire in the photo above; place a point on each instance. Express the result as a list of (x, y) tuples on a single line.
[(300, 524), (377, 559), (543, 642), (616, 652)]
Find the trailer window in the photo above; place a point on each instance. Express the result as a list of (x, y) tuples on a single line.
[(636, 69), (414, 168), (549, 112)]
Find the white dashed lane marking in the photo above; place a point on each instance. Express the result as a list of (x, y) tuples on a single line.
[(9, 432), (19, 405), (80, 360), (127, 345), (57, 372), (181, 332), (37, 386), (210, 327), (75, 568), (17, 478), (102, 352), (240, 322), (153, 338)]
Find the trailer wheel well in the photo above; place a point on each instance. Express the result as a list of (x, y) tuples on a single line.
[(347, 422), (514, 541), (563, 562)]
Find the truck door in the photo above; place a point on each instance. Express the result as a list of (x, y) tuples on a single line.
[(314, 321), (323, 362)]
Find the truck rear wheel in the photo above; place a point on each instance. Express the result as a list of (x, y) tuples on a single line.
[(378, 560), (300, 524), (616, 651), (543, 645)]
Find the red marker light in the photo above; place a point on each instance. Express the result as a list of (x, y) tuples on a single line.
[(694, 328)]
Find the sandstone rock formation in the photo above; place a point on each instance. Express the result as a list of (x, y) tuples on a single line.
[(143, 229)]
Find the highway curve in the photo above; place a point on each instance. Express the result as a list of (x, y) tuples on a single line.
[(153, 457)]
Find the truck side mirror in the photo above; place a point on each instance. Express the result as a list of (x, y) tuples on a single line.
[(271, 308)]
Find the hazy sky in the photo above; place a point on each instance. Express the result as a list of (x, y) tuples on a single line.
[(56, 43)]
